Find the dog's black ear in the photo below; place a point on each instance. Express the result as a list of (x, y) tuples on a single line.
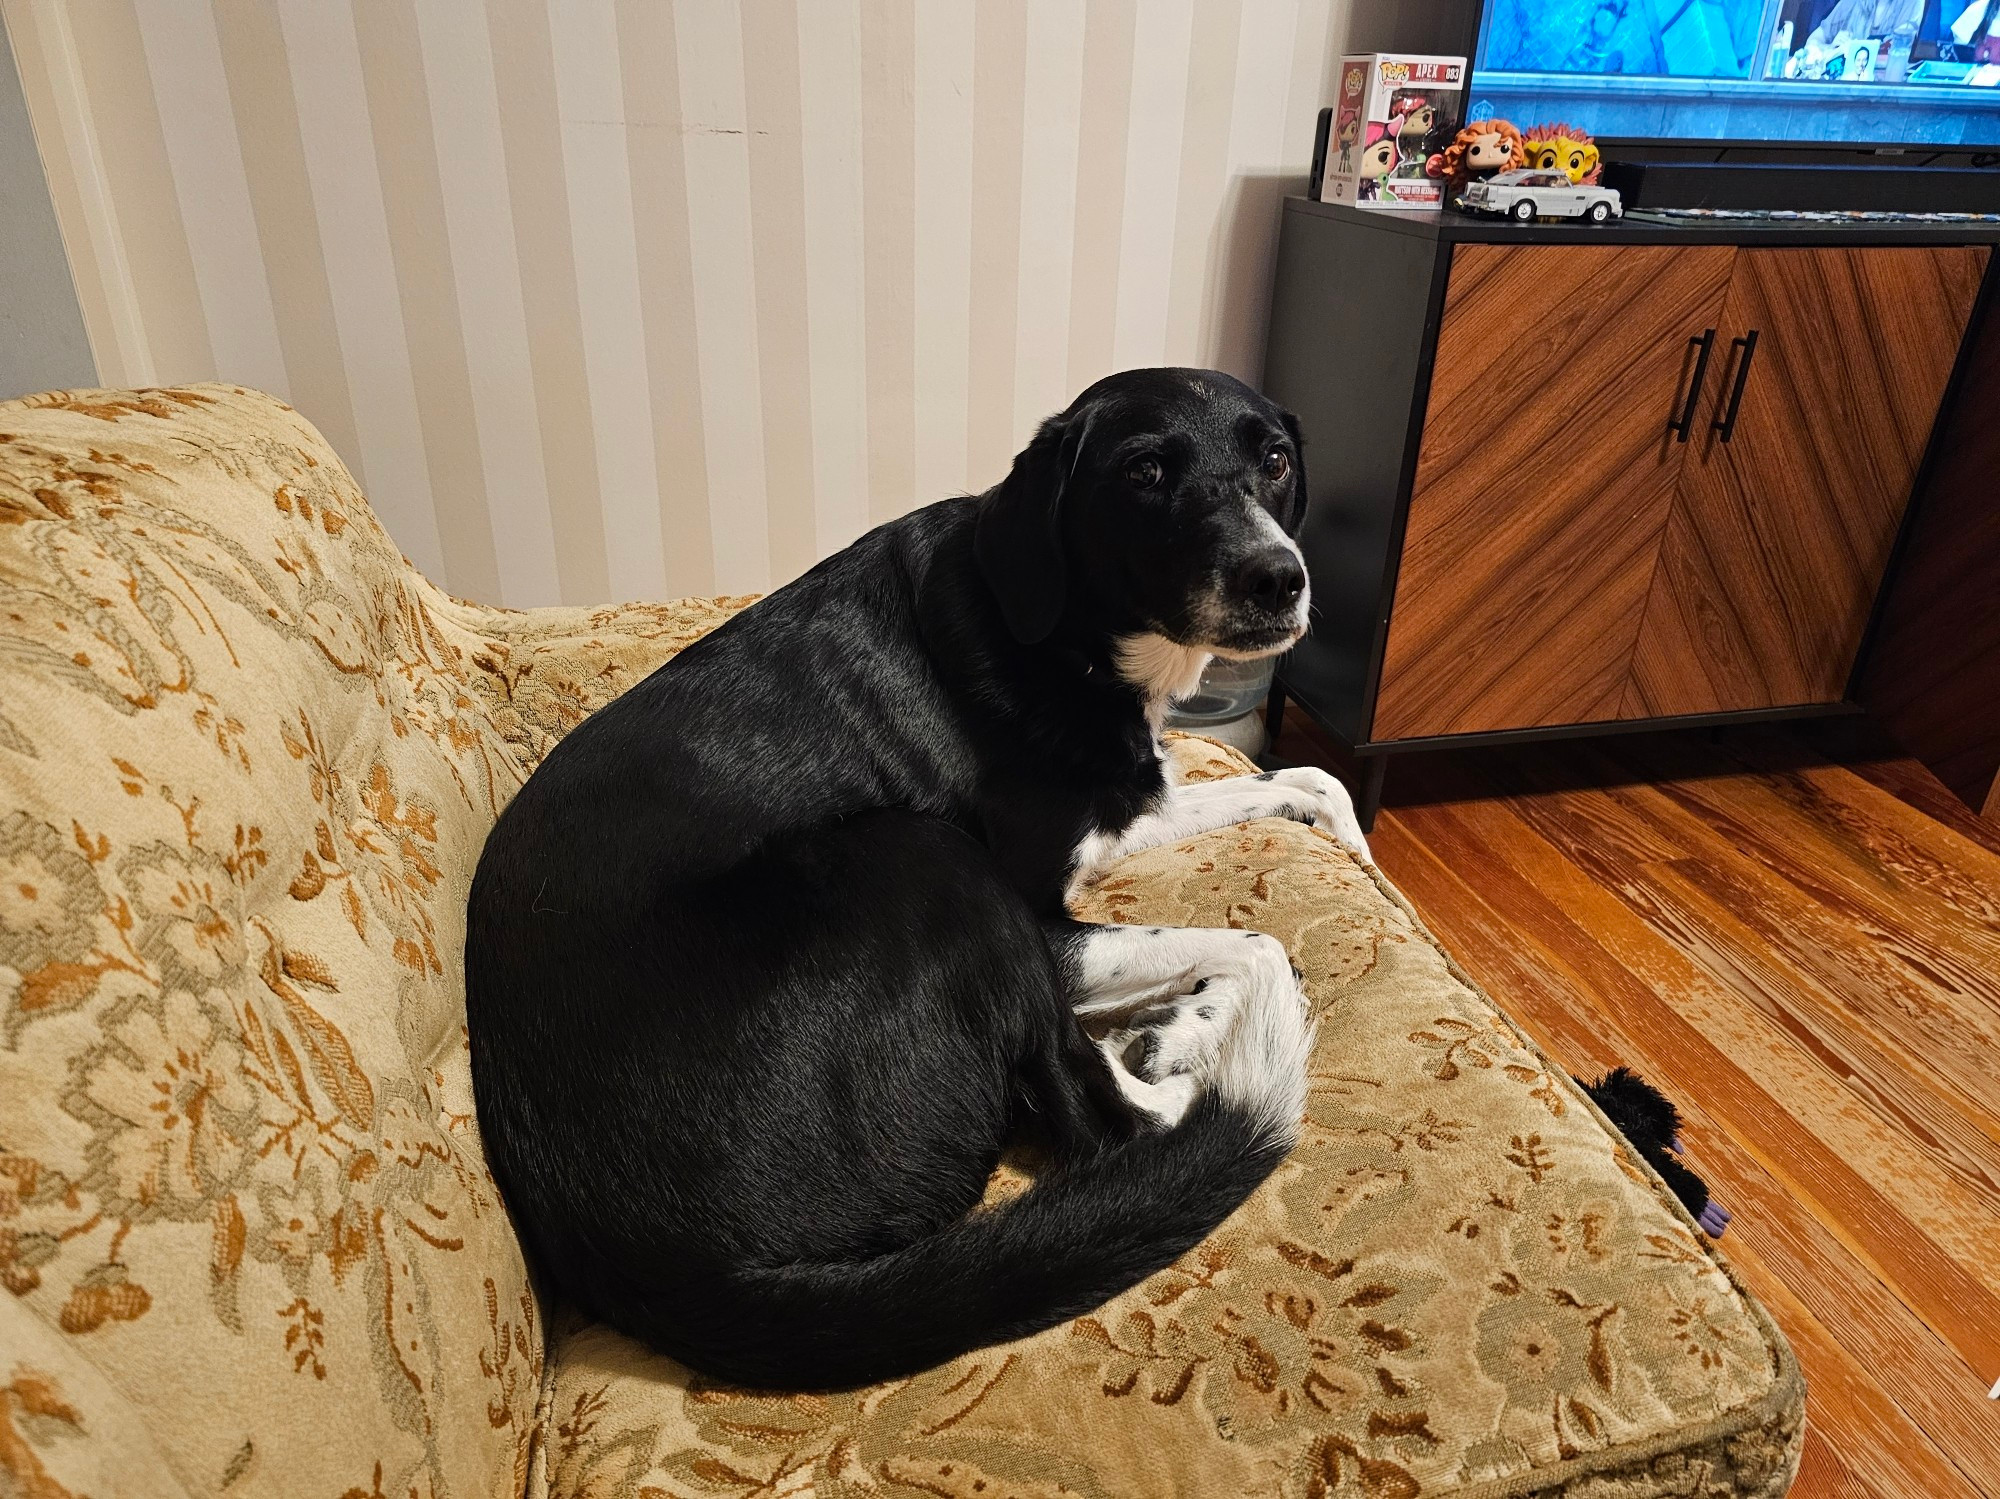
[(1297, 513), (1018, 539)]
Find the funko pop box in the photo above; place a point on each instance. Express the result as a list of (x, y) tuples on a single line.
[(1392, 112)]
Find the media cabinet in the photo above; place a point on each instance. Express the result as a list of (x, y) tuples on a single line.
[(1569, 479)]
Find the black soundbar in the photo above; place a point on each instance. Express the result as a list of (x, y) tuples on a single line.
[(1766, 185)]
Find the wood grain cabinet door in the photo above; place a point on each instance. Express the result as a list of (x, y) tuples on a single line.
[(1543, 483), (1798, 474)]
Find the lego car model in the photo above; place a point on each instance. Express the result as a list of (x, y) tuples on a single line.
[(1526, 195)]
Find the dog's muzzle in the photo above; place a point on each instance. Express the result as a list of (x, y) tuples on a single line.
[(1269, 582), (1262, 604)]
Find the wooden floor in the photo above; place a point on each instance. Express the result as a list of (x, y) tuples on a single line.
[(1810, 966)]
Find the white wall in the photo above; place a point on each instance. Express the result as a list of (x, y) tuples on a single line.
[(42, 339), (608, 298)]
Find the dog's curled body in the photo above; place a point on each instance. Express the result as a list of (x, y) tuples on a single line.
[(769, 958)]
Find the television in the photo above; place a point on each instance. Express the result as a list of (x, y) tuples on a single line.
[(1827, 73)]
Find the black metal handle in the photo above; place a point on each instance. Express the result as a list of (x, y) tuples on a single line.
[(1725, 425), (1680, 425)]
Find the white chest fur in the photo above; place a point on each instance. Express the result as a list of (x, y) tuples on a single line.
[(1161, 669)]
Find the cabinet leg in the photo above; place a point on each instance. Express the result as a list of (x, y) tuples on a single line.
[(1274, 716), (1374, 769)]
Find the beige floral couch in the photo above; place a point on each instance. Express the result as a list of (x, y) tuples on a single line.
[(247, 757)]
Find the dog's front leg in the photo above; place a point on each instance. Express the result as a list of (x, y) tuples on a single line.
[(1303, 794), (1176, 1010)]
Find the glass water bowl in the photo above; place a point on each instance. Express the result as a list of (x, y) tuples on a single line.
[(1228, 690)]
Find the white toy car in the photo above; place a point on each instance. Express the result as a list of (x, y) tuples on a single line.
[(1528, 194)]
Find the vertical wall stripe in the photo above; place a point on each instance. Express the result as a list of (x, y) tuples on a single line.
[(126, 124), (184, 57), (280, 195), (399, 115), (539, 182), (650, 72), (607, 298), (1317, 42), (1052, 107), (713, 121), (943, 252), (999, 75), (773, 110), (1100, 188), (1211, 92), (52, 81), (1152, 181), (339, 152), (1237, 297), (889, 228), (618, 397), (836, 285), (486, 275), (44, 340)]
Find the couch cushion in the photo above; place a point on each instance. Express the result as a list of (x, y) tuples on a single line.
[(247, 760), (247, 757), (1459, 1283)]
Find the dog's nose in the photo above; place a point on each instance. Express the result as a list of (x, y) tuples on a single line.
[(1272, 579)]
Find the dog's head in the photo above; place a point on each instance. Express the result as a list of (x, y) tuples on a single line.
[(1161, 502)]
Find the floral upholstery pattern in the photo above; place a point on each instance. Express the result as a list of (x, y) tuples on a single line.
[(1459, 1283), (247, 759)]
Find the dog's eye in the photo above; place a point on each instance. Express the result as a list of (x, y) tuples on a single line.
[(1277, 464), (1145, 472)]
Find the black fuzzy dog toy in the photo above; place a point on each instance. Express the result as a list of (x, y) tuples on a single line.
[(1649, 1120)]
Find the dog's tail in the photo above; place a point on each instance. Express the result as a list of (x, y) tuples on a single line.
[(1076, 1238)]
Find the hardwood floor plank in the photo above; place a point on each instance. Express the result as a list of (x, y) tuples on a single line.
[(1823, 1475), (1827, 820), (1864, 748), (1796, 933), (1769, 1091), (1936, 954), (1867, 1351), (1856, 1443), (1557, 983), (1839, 1003), (1902, 849), (1800, 814), (1739, 1000), (1861, 1034)]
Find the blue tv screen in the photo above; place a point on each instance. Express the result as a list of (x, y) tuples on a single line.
[(1856, 72)]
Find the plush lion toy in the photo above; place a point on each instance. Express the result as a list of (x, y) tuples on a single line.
[(1482, 148), (1563, 148)]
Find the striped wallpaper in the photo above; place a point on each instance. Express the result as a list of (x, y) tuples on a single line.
[(628, 298)]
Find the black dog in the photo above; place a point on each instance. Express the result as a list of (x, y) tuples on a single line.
[(770, 957)]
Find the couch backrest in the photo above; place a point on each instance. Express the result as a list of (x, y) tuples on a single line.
[(247, 760)]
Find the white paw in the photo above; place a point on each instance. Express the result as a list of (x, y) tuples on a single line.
[(1263, 1063), (1167, 1101), (1326, 805), (1182, 1036)]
